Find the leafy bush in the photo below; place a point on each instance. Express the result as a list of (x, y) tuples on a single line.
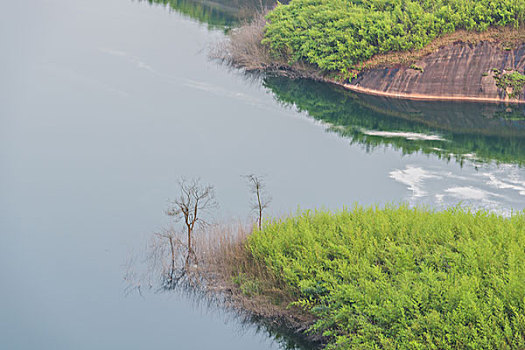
[(336, 35), (418, 68), (514, 81), (402, 278)]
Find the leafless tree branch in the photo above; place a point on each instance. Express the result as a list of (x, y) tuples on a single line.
[(262, 199), (193, 199)]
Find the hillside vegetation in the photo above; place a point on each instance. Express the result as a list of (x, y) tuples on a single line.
[(402, 278), (338, 35)]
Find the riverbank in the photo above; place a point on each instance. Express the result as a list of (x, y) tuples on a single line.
[(462, 65), (461, 71), (382, 277), (229, 274), (425, 97)]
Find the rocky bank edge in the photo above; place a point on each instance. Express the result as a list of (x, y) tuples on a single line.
[(461, 71)]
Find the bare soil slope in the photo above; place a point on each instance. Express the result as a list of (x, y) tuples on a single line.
[(461, 71)]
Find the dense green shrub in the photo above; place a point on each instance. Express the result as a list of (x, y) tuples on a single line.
[(514, 81), (336, 35), (402, 278)]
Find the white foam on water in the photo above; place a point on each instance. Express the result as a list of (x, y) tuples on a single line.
[(490, 187), (470, 193), (133, 59), (413, 177), (510, 183), (413, 136)]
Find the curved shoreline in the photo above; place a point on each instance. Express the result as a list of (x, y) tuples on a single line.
[(458, 72), (422, 97), (462, 66)]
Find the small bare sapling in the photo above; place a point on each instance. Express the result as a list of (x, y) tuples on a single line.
[(262, 199)]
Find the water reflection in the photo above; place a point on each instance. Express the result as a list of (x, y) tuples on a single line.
[(218, 14), (152, 271), (461, 131), (453, 131)]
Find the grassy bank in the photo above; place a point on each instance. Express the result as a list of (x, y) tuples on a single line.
[(389, 278), (336, 39), (339, 35)]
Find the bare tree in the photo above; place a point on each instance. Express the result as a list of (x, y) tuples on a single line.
[(262, 201), (193, 199)]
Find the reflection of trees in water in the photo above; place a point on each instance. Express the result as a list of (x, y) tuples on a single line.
[(154, 270), (162, 266), (200, 261), (476, 131), (172, 253), (481, 132), (217, 13)]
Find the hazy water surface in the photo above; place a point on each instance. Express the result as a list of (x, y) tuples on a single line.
[(105, 103)]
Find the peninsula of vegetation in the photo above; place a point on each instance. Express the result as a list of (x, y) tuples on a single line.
[(391, 277), (431, 49), (382, 278), (399, 278)]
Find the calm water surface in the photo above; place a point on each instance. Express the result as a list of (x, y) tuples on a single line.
[(105, 103)]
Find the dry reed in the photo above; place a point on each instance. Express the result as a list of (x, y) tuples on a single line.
[(243, 49), (227, 267)]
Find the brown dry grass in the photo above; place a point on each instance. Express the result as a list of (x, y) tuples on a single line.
[(508, 38), (243, 49), (222, 274), (227, 268)]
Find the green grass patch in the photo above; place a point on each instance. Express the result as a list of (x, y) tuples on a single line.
[(247, 285), (337, 35), (403, 278), (512, 83), (418, 68)]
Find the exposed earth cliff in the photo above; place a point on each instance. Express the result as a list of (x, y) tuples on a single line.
[(461, 71)]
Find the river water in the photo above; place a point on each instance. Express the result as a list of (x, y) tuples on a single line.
[(104, 104)]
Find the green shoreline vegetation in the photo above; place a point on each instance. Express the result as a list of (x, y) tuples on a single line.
[(335, 40), (393, 277), (339, 35), (511, 82)]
